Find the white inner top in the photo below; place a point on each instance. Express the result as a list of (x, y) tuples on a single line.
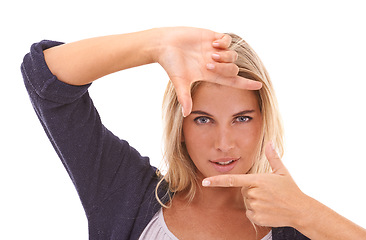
[(157, 229)]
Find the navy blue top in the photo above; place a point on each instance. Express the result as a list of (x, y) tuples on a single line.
[(115, 183)]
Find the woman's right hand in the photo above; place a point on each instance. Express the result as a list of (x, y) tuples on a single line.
[(192, 54), (187, 55)]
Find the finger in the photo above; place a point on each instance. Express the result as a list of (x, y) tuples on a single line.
[(247, 204), (234, 81), (249, 192), (274, 160), (183, 96), (223, 69), (251, 215), (229, 180), (228, 75), (245, 83), (225, 56), (222, 41)]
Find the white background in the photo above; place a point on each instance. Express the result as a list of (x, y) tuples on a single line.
[(314, 51)]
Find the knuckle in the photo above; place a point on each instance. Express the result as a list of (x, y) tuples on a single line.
[(228, 69), (251, 193), (255, 217), (254, 204), (244, 192), (231, 181), (234, 56), (257, 178), (233, 82), (250, 203), (250, 215), (235, 70), (228, 56), (231, 69), (228, 40)]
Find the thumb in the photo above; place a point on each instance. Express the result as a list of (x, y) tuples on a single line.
[(183, 92), (274, 160)]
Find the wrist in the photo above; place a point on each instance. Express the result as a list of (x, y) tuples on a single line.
[(309, 210), (133, 49), (154, 44)]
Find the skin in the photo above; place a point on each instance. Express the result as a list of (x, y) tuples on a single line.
[(186, 54), (225, 123), (189, 55), (275, 200)]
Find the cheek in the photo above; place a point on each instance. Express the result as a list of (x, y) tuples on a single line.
[(198, 141), (193, 137), (192, 133), (252, 136), (249, 139)]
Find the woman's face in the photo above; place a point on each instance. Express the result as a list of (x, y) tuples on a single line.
[(222, 133)]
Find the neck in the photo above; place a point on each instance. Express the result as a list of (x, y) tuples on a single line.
[(216, 198)]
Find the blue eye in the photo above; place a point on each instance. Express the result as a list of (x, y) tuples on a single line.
[(243, 119), (202, 120)]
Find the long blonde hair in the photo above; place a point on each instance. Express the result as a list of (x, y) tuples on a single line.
[(181, 171)]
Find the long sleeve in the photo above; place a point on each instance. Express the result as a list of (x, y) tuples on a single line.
[(289, 233), (114, 182)]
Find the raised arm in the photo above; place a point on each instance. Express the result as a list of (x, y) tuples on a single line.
[(109, 175), (84, 61), (186, 54)]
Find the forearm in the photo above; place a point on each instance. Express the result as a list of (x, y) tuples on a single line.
[(320, 222), (186, 54), (84, 61)]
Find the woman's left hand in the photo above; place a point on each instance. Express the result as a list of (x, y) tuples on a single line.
[(271, 199)]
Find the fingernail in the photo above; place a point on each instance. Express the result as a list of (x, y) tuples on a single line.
[(216, 56), (272, 145), (183, 112), (210, 66), (216, 44), (274, 148), (206, 183)]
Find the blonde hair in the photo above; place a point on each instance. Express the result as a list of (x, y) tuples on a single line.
[(181, 171)]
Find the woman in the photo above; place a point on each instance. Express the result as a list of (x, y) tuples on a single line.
[(225, 133)]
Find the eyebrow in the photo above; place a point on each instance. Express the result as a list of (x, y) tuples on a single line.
[(199, 112)]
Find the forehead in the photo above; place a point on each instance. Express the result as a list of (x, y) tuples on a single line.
[(211, 96)]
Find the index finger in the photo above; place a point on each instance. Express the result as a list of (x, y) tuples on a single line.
[(236, 81), (229, 180)]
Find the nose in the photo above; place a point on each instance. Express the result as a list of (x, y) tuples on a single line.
[(224, 139)]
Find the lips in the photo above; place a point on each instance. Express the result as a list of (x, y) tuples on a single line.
[(224, 165)]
